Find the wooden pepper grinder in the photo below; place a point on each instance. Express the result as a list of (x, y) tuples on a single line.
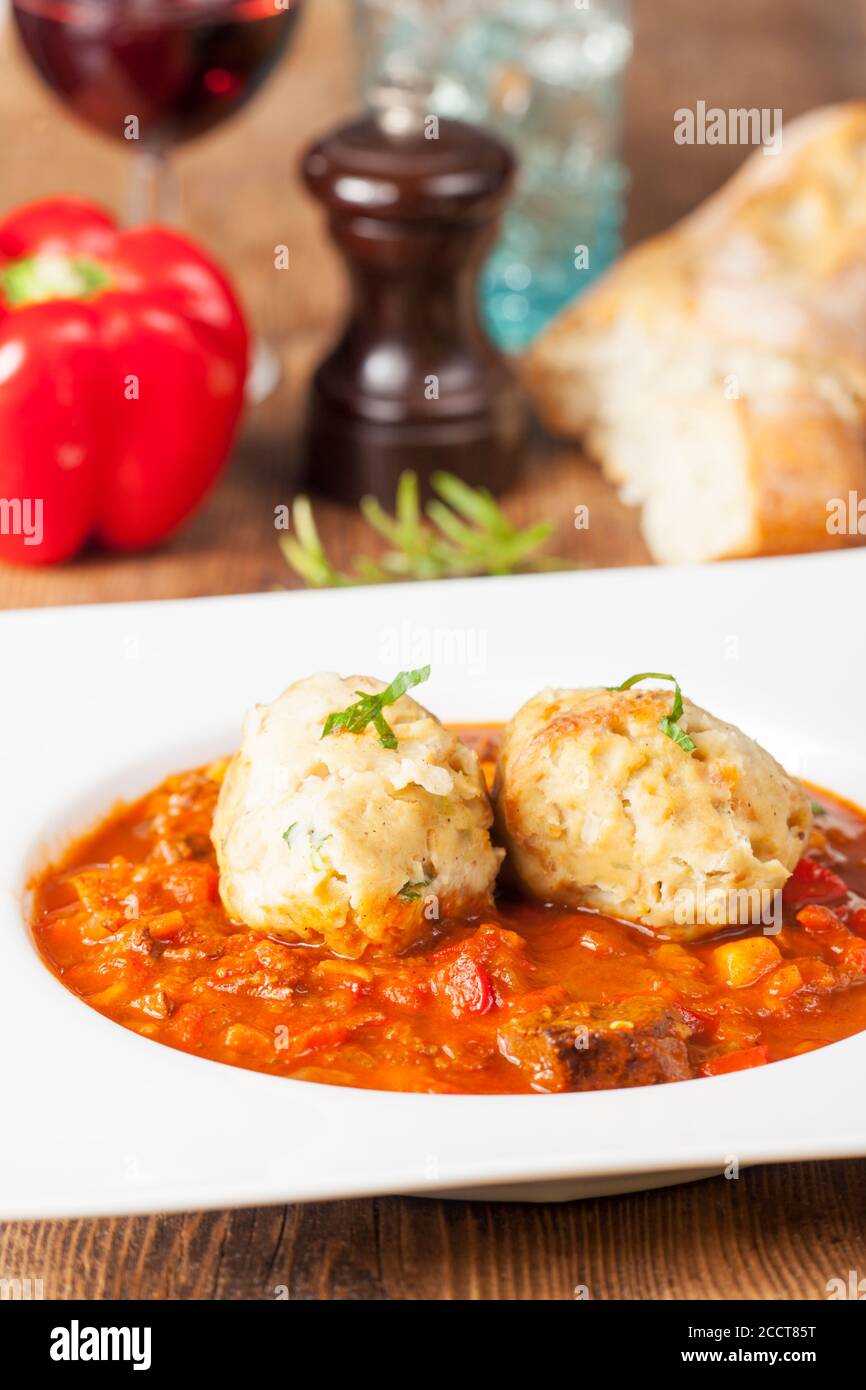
[(413, 382)]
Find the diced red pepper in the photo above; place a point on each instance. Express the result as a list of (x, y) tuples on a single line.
[(816, 918), (812, 882), (320, 1035), (335, 1031), (736, 1061), (856, 921), (700, 1020), (191, 883), (467, 987), (448, 952)]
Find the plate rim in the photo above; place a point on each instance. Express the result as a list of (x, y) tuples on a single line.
[(796, 1127)]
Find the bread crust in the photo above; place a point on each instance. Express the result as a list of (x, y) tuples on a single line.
[(598, 807), (745, 324)]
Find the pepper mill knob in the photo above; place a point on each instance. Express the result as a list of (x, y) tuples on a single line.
[(413, 382)]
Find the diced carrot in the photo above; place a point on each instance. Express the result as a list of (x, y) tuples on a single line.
[(112, 994), (249, 1041), (155, 1004), (782, 983), (816, 974), (99, 925), (674, 957), (189, 1024), (736, 1061), (854, 956), (91, 889), (735, 1033), (164, 925)]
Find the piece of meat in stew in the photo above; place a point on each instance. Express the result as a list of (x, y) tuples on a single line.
[(594, 1047)]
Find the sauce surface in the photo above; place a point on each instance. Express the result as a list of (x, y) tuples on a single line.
[(130, 920)]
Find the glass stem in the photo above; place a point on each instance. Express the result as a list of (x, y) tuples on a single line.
[(152, 193)]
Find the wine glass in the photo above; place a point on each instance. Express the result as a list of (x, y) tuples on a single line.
[(156, 73)]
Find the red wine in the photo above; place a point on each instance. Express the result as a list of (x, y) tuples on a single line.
[(178, 66)]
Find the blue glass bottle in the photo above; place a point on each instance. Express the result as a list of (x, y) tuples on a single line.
[(547, 75)]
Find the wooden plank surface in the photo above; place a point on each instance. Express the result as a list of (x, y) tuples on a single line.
[(772, 1233)]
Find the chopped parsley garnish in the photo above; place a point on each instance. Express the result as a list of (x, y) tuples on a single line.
[(368, 709), (294, 828), (411, 892), (669, 723), (818, 809)]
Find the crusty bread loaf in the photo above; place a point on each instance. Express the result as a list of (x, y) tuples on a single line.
[(718, 372)]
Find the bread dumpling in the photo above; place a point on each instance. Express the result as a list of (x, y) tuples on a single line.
[(343, 841), (599, 807)]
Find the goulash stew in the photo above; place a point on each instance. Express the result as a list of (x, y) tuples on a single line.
[(526, 997)]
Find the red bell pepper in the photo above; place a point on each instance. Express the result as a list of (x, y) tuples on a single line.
[(817, 918), (122, 365), (467, 986), (812, 882)]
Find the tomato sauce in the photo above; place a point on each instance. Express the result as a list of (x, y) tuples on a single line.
[(130, 920)]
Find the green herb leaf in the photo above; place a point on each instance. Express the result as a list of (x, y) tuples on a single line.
[(290, 836), (668, 723), (672, 730), (368, 709), (462, 532), (818, 809), (411, 892)]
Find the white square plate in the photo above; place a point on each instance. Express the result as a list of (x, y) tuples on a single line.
[(99, 703)]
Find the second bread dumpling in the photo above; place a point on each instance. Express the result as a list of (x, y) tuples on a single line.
[(600, 807), (343, 840)]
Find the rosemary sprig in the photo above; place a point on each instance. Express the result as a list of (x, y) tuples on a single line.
[(461, 532), (304, 550)]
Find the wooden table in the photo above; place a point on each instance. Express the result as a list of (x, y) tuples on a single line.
[(772, 1233)]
